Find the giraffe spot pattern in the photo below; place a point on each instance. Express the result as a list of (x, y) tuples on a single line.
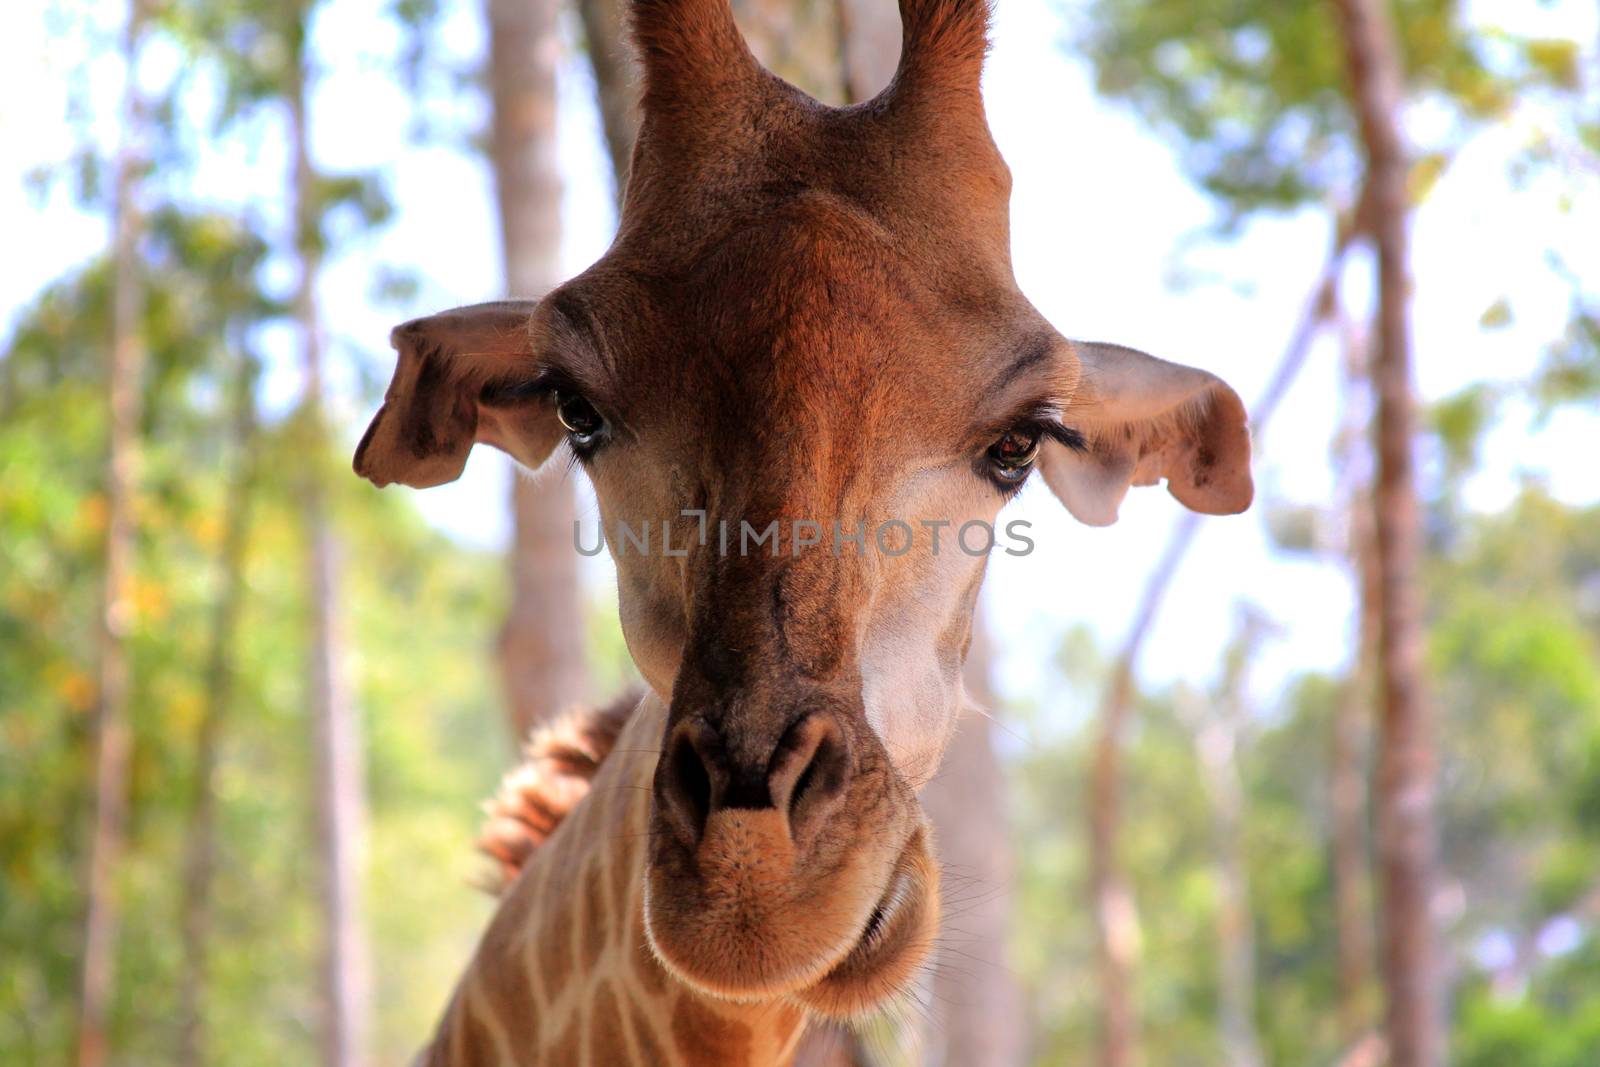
[(644, 1035), (568, 1049), (706, 1039), (596, 927), (506, 981), (555, 951), (477, 1045), (607, 1043)]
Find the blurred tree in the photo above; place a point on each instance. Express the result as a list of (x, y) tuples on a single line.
[(124, 366), (1406, 758), (1254, 99), (1219, 723), (205, 283), (798, 40), (200, 854), (1515, 652), (1166, 847), (339, 797), (1251, 95), (1561, 93), (1515, 658), (1353, 713), (261, 54), (1109, 893), (869, 32), (418, 611), (610, 57), (197, 283), (1571, 370), (541, 648)]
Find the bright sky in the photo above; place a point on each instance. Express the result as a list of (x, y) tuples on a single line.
[(1098, 210)]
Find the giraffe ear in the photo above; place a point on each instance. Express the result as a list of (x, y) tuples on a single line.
[(460, 379), (1142, 420)]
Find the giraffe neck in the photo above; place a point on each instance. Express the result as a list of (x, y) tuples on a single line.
[(565, 974)]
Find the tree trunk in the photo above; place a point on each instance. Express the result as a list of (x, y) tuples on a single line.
[(1219, 726), (1405, 793), (1109, 897), (798, 40), (869, 33), (542, 643), (339, 795), (113, 733), (615, 83), (1116, 917), (1347, 773), (200, 850), (1237, 965)]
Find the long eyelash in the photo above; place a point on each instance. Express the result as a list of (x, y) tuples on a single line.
[(1009, 489), (548, 381), (1065, 436), (1045, 418), (545, 385), (508, 393), (574, 460)]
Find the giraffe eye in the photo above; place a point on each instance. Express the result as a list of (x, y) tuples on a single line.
[(1011, 457), (582, 422)]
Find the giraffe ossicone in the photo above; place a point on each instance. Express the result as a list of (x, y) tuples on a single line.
[(808, 313)]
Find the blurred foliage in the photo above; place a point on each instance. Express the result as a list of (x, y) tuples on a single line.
[(1459, 423), (422, 607), (1571, 369), (1516, 671), (1252, 92), (1251, 95), (1515, 663), (1556, 1024)]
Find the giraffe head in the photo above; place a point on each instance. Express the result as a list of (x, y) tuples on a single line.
[(803, 382)]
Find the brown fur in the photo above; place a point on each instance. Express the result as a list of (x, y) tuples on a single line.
[(808, 313)]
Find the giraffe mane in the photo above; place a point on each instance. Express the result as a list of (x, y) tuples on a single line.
[(559, 760)]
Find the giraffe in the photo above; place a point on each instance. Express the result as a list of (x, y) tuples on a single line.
[(806, 332)]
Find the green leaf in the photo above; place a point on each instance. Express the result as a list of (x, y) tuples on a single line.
[(1496, 316), (1556, 58), (1459, 421)]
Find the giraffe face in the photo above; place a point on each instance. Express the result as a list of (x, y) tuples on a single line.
[(803, 382)]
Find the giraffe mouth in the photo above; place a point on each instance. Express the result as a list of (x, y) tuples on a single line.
[(894, 942), (811, 950)]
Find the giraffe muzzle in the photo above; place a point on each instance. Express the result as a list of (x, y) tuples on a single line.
[(768, 874)]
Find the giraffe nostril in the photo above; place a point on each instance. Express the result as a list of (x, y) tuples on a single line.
[(686, 792), (801, 787), (803, 778), (810, 773)]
